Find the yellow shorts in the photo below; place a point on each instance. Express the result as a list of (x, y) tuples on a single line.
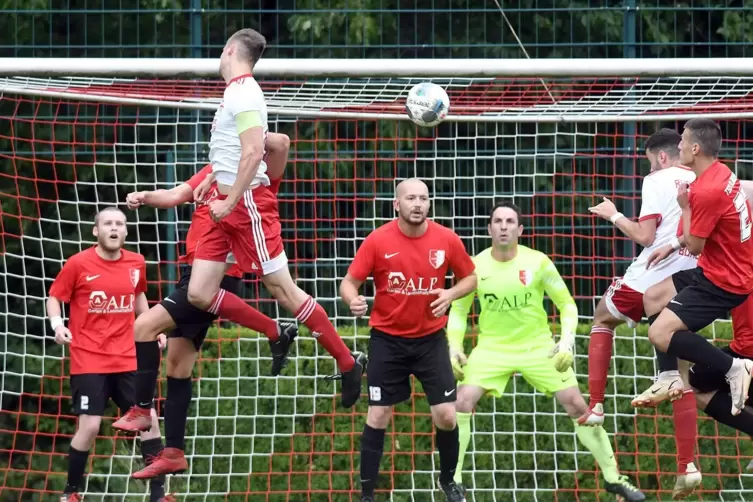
[(492, 369)]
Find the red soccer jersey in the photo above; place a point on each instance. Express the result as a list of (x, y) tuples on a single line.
[(101, 295), (200, 218), (742, 326), (405, 269), (720, 213)]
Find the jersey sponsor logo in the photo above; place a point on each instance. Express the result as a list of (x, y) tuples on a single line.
[(101, 303), (397, 283), (387, 256), (526, 277), (507, 303), (436, 257), (135, 275)]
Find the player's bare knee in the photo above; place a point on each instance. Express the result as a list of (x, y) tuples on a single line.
[(88, 428), (444, 416), (199, 297), (378, 417), (603, 318), (466, 400)]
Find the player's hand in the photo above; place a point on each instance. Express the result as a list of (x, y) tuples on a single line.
[(219, 209), (358, 306), (683, 199), (658, 255), (162, 341), (605, 209), (63, 335), (134, 200), (562, 353), (458, 360), (442, 303), (202, 190)]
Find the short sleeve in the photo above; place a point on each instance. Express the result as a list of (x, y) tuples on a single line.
[(652, 202), (461, 264), (706, 209), (363, 263), (240, 98), (197, 178), (141, 285), (64, 284)]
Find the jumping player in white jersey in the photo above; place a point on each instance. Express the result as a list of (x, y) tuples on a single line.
[(248, 223), (623, 301)]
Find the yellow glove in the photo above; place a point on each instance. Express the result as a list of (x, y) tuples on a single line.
[(562, 353), (458, 360)]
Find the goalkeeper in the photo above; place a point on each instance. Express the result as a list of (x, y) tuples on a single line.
[(514, 336)]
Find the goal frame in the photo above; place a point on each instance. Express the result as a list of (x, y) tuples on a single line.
[(188, 68)]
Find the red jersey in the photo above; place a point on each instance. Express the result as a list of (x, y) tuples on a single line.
[(405, 270), (742, 328), (101, 295), (720, 213)]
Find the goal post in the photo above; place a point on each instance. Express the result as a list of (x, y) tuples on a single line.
[(552, 135)]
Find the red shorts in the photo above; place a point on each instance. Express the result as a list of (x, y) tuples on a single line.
[(251, 232), (624, 303)]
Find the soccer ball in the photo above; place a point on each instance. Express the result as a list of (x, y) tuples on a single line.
[(427, 104)]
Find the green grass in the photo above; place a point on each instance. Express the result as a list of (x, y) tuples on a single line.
[(255, 437)]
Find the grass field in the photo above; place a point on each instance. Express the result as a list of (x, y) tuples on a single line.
[(262, 438)]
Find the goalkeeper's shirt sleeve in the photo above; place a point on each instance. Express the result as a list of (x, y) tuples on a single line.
[(557, 290), (458, 320)]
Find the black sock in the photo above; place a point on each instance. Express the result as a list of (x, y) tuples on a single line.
[(665, 361), (149, 450), (372, 447), (147, 362), (76, 467), (448, 444), (694, 348), (179, 393), (720, 407)]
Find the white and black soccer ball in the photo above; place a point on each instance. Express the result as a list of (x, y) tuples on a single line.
[(427, 104)]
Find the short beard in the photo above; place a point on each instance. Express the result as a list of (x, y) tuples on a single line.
[(408, 221)]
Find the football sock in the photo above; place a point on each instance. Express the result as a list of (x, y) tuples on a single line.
[(76, 467), (231, 307), (599, 357), (448, 446), (313, 316), (693, 347), (147, 363), (685, 418), (597, 442), (149, 450), (464, 438), (372, 448), (719, 409), (179, 393)]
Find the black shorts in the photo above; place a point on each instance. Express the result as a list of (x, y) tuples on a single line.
[(392, 359), (706, 379), (191, 322), (91, 391), (699, 302)]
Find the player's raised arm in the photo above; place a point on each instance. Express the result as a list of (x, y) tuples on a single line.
[(165, 199), (642, 232), (557, 290)]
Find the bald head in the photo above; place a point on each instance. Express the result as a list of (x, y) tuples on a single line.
[(412, 201), (411, 186)]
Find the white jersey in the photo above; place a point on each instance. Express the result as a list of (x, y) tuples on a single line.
[(242, 94), (659, 196)]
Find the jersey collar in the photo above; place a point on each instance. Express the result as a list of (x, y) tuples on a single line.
[(240, 77)]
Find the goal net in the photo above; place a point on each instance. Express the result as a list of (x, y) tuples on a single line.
[(554, 136)]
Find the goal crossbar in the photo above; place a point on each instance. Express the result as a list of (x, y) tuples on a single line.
[(547, 91)]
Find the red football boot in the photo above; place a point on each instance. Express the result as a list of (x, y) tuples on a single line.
[(137, 419), (169, 461)]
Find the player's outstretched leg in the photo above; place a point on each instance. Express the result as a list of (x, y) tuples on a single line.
[(595, 438), (308, 312)]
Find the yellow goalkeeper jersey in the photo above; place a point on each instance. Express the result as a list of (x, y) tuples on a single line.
[(511, 296)]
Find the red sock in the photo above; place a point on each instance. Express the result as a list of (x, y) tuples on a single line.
[(685, 418), (599, 356), (230, 307), (315, 318)]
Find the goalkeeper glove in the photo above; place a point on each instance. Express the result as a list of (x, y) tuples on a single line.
[(562, 352), (458, 360)]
